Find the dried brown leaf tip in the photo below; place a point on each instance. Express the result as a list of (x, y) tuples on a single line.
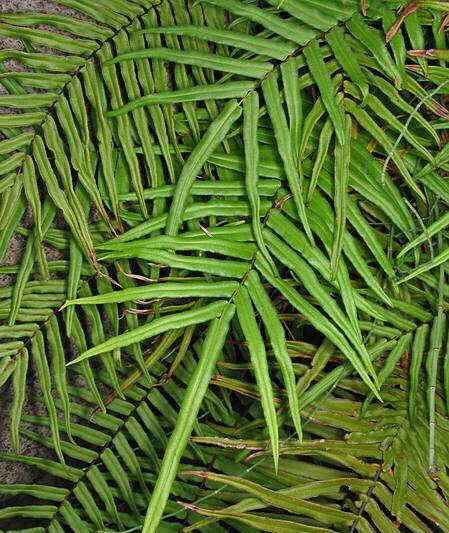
[(188, 506), (408, 10), (444, 23)]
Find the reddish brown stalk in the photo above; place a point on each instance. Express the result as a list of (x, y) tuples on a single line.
[(148, 302), (363, 7), (444, 23), (196, 473), (187, 506), (109, 278), (422, 53), (135, 311), (408, 10), (280, 205), (140, 278), (205, 230)]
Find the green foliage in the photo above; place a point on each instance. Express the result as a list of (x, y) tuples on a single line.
[(232, 291)]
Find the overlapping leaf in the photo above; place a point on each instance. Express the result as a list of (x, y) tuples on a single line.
[(281, 157)]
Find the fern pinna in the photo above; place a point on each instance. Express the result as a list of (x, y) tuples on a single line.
[(232, 291)]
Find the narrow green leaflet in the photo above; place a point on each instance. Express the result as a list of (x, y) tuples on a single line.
[(295, 32), (365, 120), (191, 403), (27, 101), (256, 348), (40, 359), (209, 142), (252, 69), (344, 56), (19, 393), (258, 45), (341, 179), (220, 289), (32, 247), (159, 325), (49, 39), (59, 370), (9, 145), (32, 193), (232, 89), (292, 95), (101, 488), (265, 187), (271, 525), (276, 334), (323, 148), (44, 61), (322, 78), (373, 40), (439, 259), (284, 146), (78, 225), (251, 145), (75, 266), (430, 231), (282, 500), (65, 23), (319, 321), (400, 490)]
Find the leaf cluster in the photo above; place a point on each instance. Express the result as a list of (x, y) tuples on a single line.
[(245, 328)]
